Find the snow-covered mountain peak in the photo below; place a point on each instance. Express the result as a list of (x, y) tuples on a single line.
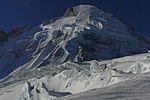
[(83, 34), (83, 12), (71, 54)]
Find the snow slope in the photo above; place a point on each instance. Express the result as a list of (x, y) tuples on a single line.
[(134, 89)]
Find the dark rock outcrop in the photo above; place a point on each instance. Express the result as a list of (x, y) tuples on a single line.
[(70, 12), (3, 36), (18, 30)]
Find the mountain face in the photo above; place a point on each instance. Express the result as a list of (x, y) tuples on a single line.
[(85, 49), (84, 33), (18, 30)]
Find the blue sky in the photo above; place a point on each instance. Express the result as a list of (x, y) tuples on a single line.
[(32, 12)]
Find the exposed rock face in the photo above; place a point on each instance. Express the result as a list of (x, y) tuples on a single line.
[(14, 32), (3, 36), (70, 12), (18, 30), (139, 36)]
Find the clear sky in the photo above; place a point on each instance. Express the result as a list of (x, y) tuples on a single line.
[(32, 12)]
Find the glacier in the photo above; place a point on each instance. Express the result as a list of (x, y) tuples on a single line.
[(80, 78)]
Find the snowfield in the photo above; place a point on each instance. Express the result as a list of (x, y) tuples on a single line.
[(87, 54), (133, 89)]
